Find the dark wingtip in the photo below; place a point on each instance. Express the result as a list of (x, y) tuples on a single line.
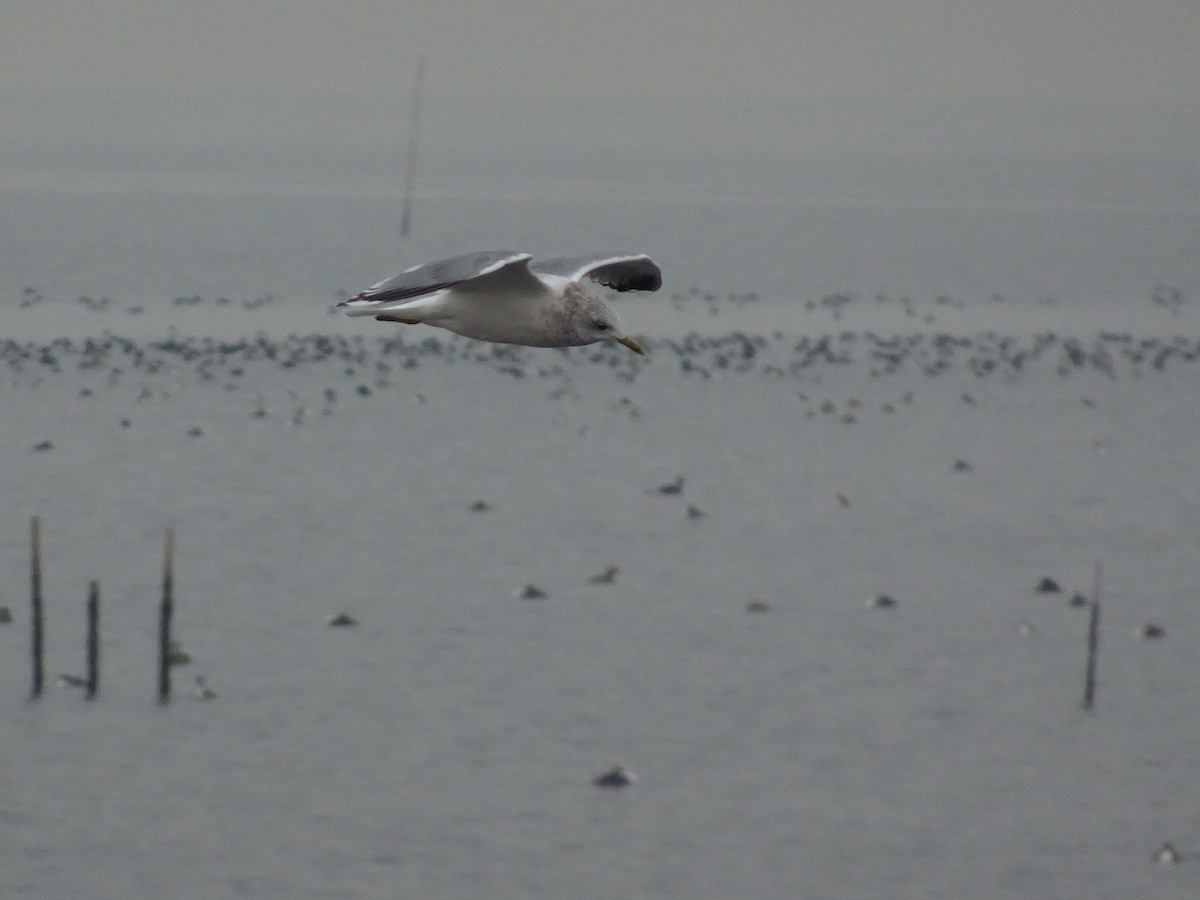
[(649, 281)]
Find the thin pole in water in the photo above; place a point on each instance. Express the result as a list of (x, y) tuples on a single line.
[(1093, 644), (165, 612), (410, 168), (93, 640), (35, 604)]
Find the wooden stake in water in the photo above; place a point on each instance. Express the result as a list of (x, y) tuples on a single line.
[(165, 612), (1093, 644), (410, 166), (93, 640), (35, 604)]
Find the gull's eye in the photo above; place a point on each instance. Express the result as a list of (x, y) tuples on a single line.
[(601, 326)]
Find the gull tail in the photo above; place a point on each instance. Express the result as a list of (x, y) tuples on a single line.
[(413, 308)]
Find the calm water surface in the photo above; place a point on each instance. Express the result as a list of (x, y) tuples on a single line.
[(445, 747)]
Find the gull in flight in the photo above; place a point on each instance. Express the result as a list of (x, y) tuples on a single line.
[(509, 298)]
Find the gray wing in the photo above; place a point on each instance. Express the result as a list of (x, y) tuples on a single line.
[(619, 271), (440, 274)]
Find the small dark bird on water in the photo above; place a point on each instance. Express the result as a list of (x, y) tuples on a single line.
[(341, 620), (608, 576), (616, 777), (177, 655), (673, 489)]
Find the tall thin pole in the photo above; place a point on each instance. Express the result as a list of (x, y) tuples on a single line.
[(93, 640), (35, 604), (1093, 644), (410, 168), (166, 611)]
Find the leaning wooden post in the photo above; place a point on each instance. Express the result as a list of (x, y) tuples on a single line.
[(166, 609), (93, 640), (1093, 644), (35, 603)]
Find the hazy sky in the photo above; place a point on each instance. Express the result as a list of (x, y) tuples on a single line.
[(1103, 51)]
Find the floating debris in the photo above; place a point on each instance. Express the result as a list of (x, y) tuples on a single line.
[(201, 690), (1047, 586), (43, 446), (1167, 855), (1152, 631), (5, 614), (342, 620), (695, 512), (480, 506), (882, 601), (532, 592), (758, 606)]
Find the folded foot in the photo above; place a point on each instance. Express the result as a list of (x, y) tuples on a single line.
[(387, 318)]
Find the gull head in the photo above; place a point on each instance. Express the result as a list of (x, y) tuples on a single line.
[(592, 319)]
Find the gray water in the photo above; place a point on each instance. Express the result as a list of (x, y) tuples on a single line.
[(445, 747)]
